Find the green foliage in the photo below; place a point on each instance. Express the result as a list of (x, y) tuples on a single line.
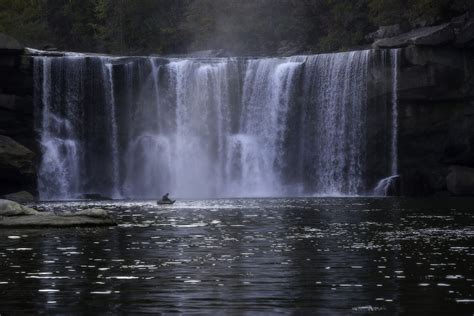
[(386, 12), (23, 19), (240, 26)]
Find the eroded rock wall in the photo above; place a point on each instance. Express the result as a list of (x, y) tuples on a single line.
[(18, 147), (436, 116)]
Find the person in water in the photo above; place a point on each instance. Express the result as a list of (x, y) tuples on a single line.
[(165, 198)]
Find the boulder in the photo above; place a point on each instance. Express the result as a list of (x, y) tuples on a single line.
[(9, 44), (460, 180), (11, 208), (426, 36), (13, 214), (20, 197), (388, 187), (16, 160)]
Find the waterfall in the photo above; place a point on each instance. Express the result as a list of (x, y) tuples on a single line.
[(267, 95), (110, 100), (394, 60), (387, 186), (220, 127), (59, 169), (335, 147)]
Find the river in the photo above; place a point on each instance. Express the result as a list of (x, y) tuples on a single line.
[(319, 256)]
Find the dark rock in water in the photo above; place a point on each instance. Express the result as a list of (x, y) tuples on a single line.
[(427, 36), (17, 165), (460, 180), (13, 214), (95, 197), (20, 197), (388, 187)]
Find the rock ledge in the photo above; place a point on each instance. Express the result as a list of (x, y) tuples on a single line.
[(13, 214)]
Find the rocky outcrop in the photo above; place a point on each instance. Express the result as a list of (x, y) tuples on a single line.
[(17, 137), (459, 32), (11, 208), (17, 166), (387, 31), (436, 116), (13, 214), (426, 36), (460, 180), (436, 106)]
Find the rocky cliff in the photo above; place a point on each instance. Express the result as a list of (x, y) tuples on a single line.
[(436, 106), (436, 122), (17, 137)]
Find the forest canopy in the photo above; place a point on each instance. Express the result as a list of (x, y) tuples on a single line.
[(239, 26)]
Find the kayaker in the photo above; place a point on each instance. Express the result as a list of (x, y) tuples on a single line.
[(165, 198)]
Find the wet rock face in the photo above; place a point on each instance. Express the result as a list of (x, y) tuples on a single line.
[(436, 117), (460, 180), (17, 162), (17, 165), (459, 32), (426, 36)]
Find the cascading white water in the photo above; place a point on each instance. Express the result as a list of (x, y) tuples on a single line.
[(267, 93), (59, 170), (337, 86), (386, 184), (394, 60), (107, 71), (205, 127)]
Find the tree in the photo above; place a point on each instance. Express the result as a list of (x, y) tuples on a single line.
[(24, 20)]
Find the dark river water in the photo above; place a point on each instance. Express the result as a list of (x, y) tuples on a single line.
[(319, 256)]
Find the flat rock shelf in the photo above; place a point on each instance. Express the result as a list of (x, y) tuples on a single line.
[(13, 214)]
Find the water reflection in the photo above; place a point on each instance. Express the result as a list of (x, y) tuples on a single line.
[(324, 256)]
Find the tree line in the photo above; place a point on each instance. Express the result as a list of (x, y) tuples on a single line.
[(251, 27)]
